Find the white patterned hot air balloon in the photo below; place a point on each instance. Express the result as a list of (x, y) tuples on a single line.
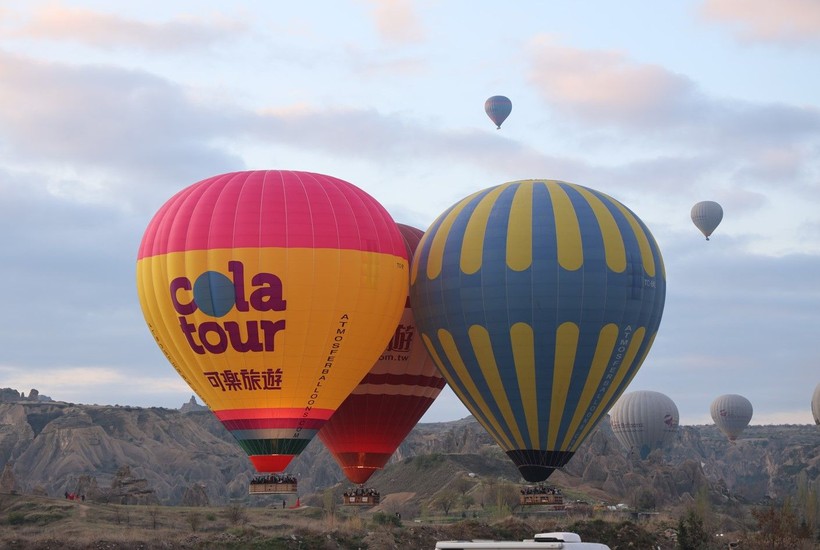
[(731, 414), (706, 215)]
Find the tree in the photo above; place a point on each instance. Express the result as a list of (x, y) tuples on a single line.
[(236, 514), (643, 499), (779, 528), (329, 504), (194, 520), (465, 501), (153, 513), (508, 496), (446, 500), (462, 485), (691, 533)]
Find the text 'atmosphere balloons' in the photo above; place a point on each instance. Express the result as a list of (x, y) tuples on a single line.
[(538, 300), (644, 421), (498, 108), (369, 426), (272, 293), (706, 215), (731, 413)]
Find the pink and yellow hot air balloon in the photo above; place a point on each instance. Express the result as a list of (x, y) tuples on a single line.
[(369, 426), (272, 293)]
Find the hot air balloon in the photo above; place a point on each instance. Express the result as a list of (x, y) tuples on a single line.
[(538, 300), (706, 215), (272, 293), (498, 108), (815, 404), (731, 414), (369, 426), (644, 421)]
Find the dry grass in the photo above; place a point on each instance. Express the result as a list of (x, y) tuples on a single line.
[(41, 522)]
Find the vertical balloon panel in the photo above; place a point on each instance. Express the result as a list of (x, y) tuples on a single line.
[(539, 301), (369, 426), (270, 293)]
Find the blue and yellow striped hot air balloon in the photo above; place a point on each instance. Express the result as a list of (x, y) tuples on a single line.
[(538, 300)]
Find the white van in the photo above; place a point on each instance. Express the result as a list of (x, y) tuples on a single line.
[(565, 541)]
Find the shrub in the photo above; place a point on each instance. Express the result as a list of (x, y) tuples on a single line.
[(16, 518), (380, 518)]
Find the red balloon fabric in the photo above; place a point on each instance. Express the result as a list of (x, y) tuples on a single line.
[(371, 423)]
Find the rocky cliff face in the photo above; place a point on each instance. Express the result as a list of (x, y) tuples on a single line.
[(134, 455)]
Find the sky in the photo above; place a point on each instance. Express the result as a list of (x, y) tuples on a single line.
[(106, 112)]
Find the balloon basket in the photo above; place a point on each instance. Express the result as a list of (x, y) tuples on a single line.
[(272, 489), (361, 496), (542, 495), (277, 484)]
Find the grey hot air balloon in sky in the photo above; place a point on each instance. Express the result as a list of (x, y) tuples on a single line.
[(706, 215), (644, 421), (815, 404), (498, 108), (731, 413)]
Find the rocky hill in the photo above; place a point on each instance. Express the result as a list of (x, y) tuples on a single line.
[(157, 455)]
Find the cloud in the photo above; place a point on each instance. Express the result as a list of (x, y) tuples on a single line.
[(105, 30), (661, 119), (103, 122), (381, 66), (605, 86), (396, 20), (785, 23)]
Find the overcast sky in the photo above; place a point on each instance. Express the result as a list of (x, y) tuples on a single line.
[(107, 112)]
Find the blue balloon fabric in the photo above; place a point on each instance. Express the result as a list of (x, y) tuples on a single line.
[(538, 300)]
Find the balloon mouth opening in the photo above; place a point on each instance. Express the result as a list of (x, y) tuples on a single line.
[(359, 474), (270, 463), (537, 465)]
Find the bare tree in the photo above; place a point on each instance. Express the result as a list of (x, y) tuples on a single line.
[(446, 500), (153, 513), (194, 520), (236, 514)]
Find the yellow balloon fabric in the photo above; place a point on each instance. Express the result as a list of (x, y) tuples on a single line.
[(272, 293)]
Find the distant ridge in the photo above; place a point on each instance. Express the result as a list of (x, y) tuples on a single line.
[(54, 447)]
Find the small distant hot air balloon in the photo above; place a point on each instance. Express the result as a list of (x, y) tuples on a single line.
[(498, 108), (815, 405), (644, 421), (369, 426), (706, 215), (731, 413), (272, 293), (539, 301)]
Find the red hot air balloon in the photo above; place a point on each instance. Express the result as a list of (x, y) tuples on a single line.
[(369, 426), (272, 293)]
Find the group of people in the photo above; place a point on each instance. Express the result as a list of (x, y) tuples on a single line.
[(540, 489), (273, 478), (74, 496), (361, 492)]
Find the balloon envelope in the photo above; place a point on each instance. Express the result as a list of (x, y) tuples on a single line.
[(731, 413), (815, 404), (706, 215), (498, 108), (369, 426), (538, 300), (644, 421), (272, 293)]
